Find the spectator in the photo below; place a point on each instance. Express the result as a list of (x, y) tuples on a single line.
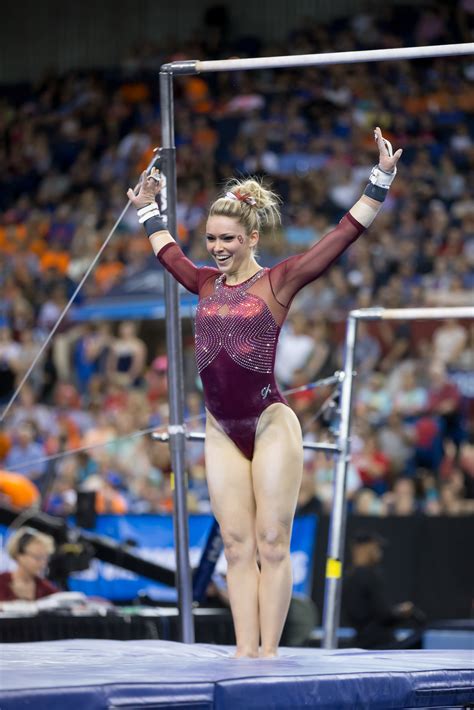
[(126, 362), (26, 454), (373, 401), (366, 602), (411, 400), (295, 349), (444, 401), (372, 465), (31, 551), (449, 341), (401, 500)]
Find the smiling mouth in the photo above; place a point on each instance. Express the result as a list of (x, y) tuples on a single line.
[(222, 259)]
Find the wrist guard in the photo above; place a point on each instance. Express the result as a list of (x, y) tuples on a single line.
[(380, 181), (151, 219)]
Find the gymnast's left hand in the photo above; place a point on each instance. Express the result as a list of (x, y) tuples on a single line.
[(146, 190), (387, 159)]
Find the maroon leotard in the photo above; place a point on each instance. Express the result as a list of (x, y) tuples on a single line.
[(237, 328)]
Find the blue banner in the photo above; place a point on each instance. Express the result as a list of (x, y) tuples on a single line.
[(152, 538)]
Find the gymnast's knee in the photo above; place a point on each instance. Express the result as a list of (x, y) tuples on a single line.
[(239, 549), (273, 546)]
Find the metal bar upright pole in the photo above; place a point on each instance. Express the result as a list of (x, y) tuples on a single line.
[(337, 528), (175, 374)]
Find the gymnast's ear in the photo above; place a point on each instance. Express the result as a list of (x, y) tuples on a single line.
[(253, 238)]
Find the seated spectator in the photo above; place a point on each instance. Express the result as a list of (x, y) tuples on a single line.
[(55, 257), (427, 438), (31, 551), (451, 496), (372, 465), (444, 401), (395, 440), (401, 500), (411, 399), (28, 409), (367, 502), (373, 400), (366, 603), (26, 454)]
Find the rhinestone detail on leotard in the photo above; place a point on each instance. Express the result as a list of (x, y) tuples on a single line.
[(238, 322)]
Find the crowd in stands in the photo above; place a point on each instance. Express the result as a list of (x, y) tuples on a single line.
[(71, 145)]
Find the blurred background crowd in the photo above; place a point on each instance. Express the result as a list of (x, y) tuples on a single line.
[(72, 144)]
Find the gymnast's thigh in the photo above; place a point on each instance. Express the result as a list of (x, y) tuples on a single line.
[(277, 466), (229, 481)]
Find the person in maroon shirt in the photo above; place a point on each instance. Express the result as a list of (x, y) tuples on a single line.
[(445, 401), (254, 454), (31, 551)]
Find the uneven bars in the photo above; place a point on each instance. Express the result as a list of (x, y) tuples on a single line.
[(413, 313), (196, 66)]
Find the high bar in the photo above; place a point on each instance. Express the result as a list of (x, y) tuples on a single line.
[(300, 60), (413, 313)]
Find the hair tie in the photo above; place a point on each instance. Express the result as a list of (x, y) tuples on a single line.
[(241, 198)]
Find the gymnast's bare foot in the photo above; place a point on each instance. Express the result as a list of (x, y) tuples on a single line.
[(268, 653), (245, 654)]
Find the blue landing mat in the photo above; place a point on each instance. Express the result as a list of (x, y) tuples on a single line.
[(152, 675)]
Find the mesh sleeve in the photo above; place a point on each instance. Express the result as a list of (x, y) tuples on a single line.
[(189, 275), (288, 277)]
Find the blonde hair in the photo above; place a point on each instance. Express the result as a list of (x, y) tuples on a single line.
[(18, 542), (248, 201)]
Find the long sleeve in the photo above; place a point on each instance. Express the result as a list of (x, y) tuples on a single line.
[(184, 271), (288, 277)]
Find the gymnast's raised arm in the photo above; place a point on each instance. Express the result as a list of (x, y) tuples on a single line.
[(288, 277), (167, 251)]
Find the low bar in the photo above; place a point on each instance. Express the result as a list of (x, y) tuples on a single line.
[(200, 436), (300, 60)]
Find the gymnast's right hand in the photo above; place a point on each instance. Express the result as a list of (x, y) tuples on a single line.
[(146, 190)]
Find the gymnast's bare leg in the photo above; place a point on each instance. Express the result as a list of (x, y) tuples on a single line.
[(229, 478), (277, 469)]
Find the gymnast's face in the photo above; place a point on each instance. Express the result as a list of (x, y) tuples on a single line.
[(228, 244)]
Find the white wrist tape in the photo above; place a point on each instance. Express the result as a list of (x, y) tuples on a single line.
[(148, 211)]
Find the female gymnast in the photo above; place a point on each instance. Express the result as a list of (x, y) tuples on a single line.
[(254, 454)]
